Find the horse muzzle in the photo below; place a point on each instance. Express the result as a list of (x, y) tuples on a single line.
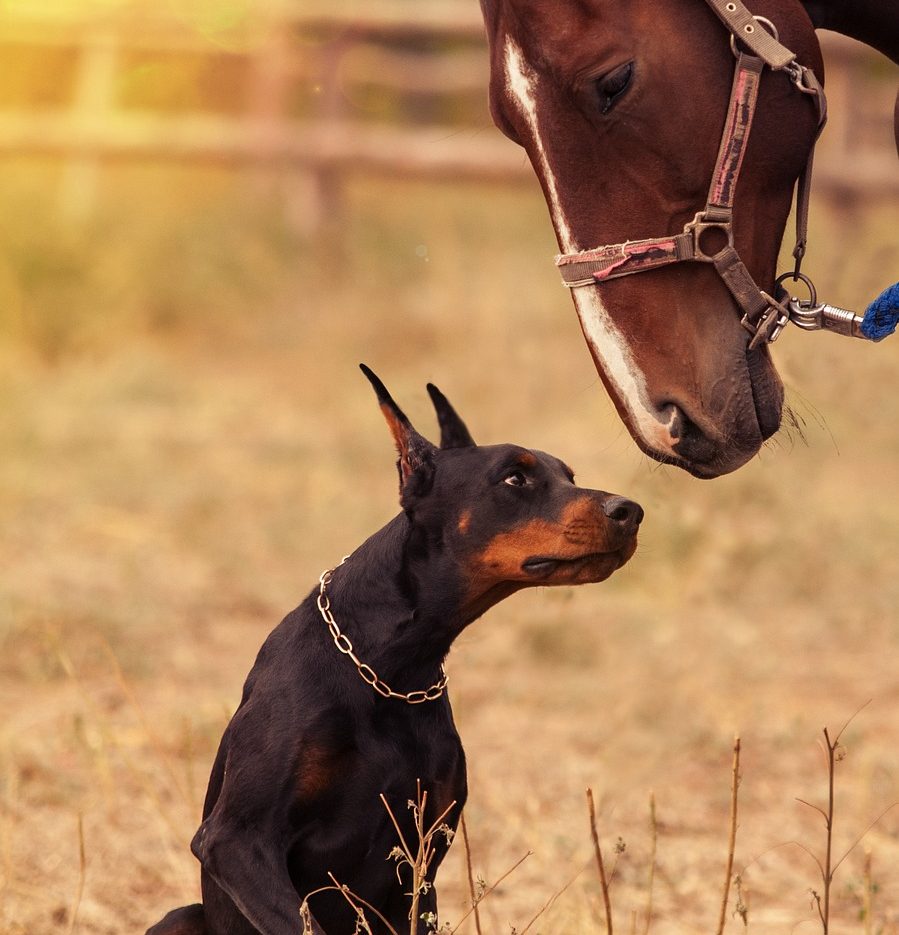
[(719, 438)]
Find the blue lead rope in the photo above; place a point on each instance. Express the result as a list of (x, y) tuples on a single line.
[(882, 315)]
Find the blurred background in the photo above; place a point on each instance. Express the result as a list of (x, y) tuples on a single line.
[(210, 212)]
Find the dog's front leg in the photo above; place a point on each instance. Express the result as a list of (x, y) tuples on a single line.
[(246, 864)]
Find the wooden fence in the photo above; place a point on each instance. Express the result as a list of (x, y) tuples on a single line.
[(309, 98)]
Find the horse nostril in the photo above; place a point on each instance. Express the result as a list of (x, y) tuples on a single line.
[(673, 417), (690, 442), (623, 511)]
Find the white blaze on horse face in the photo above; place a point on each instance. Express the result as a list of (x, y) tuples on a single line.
[(605, 339), (520, 80)]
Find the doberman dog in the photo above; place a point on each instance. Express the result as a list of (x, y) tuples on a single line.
[(320, 733)]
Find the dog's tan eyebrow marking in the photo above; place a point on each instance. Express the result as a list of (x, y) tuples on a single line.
[(464, 521)]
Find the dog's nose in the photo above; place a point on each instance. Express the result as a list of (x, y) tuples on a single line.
[(623, 512)]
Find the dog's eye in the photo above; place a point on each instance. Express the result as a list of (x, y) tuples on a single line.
[(516, 479), (612, 86)]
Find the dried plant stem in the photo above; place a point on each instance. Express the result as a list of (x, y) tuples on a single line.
[(868, 894), (742, 907), (551, 900), (732, 838), (420, 861), (828, 868), (828, 862), (350, 898), (599, 863), (862, 836), (471, 887), (419, 866), (354, 900), (491, 888), (654, 829), (82, 869)]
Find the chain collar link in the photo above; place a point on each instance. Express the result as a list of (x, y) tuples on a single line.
[(368, 675)]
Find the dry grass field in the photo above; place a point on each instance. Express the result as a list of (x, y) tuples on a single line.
[(186, 442)]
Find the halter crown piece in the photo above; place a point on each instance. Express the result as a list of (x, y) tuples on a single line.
[(368, 675), (764, 315)]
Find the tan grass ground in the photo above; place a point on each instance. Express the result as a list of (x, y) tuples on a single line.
[(187, 442)]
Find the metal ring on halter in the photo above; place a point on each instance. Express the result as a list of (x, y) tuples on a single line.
[(759, 19), (799, 277)]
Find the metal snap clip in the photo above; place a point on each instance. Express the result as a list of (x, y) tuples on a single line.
[(796, 276), (805, 314)]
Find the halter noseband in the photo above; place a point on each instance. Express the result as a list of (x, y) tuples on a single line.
[(764, 315)]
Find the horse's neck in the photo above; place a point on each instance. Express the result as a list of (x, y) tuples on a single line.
[(874, 22)]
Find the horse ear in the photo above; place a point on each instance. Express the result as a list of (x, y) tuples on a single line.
[(416, 454), (453, 431)]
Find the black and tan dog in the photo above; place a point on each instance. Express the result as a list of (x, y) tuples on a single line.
[(320, 733)]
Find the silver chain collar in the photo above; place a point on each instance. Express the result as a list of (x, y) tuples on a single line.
[(368, 675)]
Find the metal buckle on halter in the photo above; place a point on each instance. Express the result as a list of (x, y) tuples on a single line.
[(768, 326), (749, 28), (702, 222)]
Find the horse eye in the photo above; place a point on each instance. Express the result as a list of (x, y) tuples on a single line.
[(613, 85), (516, 479)]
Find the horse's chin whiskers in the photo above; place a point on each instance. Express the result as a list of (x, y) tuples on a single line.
[(793, 427), (796, 423)]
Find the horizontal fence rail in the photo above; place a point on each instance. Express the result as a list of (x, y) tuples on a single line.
[(314, 97)]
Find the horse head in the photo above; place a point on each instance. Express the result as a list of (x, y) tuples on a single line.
[(620, 106)]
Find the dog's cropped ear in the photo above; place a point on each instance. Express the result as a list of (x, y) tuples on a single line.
[(416, 454), (453, 431)]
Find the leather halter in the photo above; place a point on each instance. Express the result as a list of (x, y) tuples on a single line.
[(764, 316)]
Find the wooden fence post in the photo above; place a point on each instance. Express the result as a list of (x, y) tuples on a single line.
[(92, 104), (327, 187)]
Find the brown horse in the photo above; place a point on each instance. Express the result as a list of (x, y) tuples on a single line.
[(620, 105)]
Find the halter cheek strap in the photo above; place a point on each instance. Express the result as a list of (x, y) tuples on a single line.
[(763, 315)]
